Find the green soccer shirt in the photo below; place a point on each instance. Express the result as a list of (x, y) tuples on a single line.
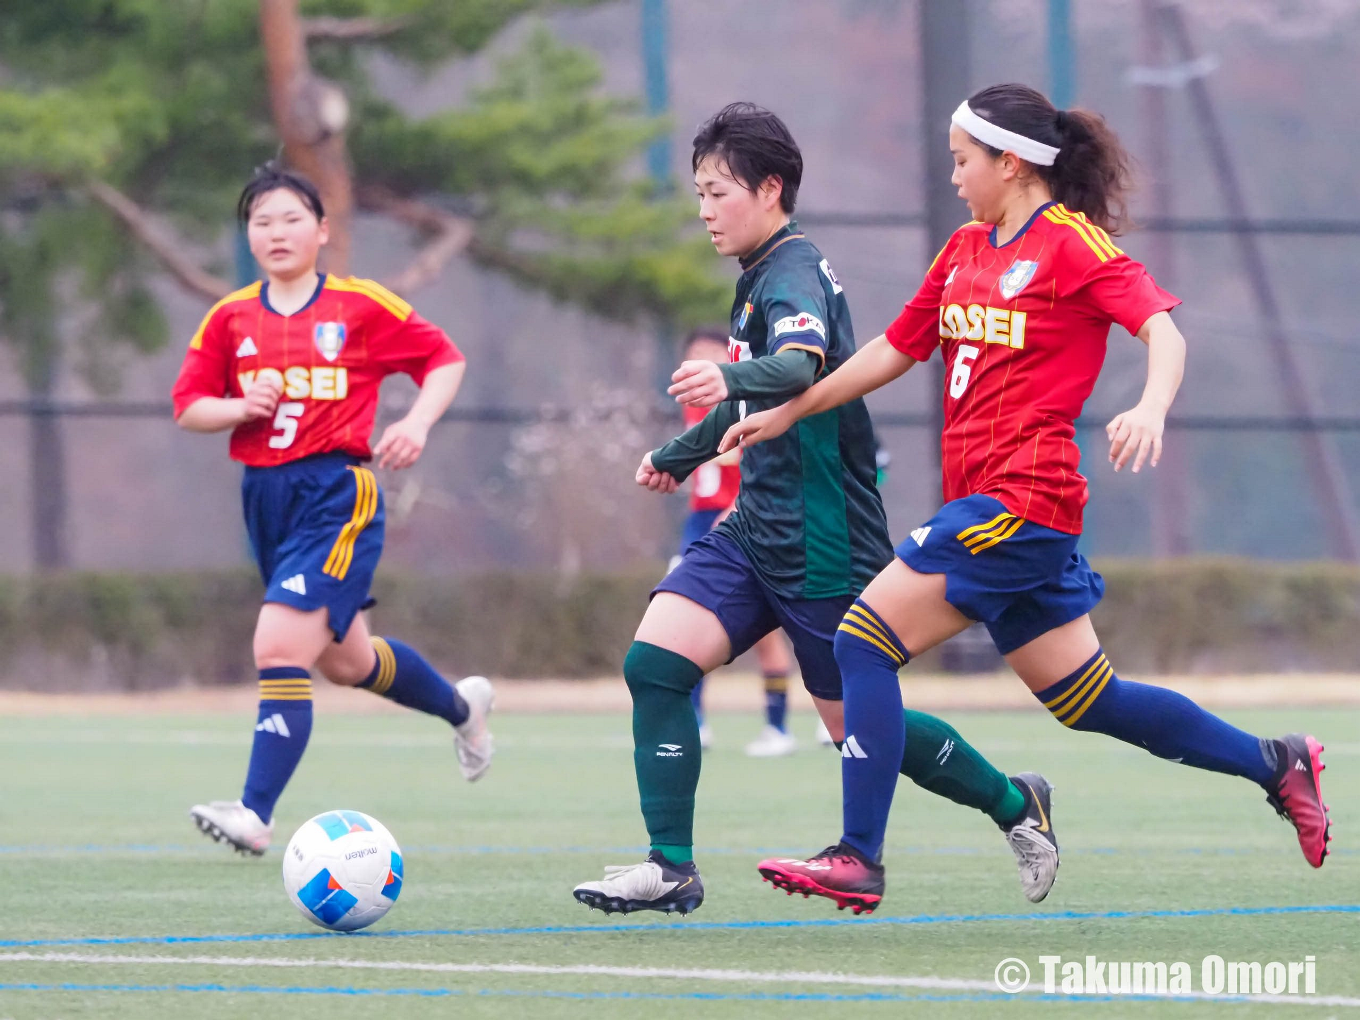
[(809, 516)]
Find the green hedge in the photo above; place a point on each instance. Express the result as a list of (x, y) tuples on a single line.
[(125, 631)]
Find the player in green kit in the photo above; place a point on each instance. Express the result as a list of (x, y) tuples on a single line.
[(808, 532)]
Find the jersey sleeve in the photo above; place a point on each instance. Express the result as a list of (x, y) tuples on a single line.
[(1123, 291), (410, 343), (206, 368), (796, 314), (916, 332)]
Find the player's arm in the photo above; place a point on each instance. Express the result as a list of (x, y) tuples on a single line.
[(912, 337), (1138, 433), (403, 441), (704, 383), (198, 393), (408, 343), (875, 364), (1123, 291), (217, 414), (664, 469)]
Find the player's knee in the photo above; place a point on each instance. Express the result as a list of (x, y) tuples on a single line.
[(864, 640), (1087, 699), (648, 667), (348, 664)]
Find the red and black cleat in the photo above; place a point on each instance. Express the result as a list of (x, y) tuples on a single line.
[(839, 873), (1297, 794)]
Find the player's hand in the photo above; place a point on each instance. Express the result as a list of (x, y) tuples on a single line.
[(698, 384), (262, 399), (1137, 434), (757, 428), (652, 479), (401, 444)]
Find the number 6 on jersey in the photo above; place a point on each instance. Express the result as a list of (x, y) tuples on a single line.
[(963, 370)]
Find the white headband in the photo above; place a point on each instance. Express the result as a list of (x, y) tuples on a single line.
[(1000, 138)]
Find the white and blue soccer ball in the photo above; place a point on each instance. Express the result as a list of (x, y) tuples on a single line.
[(343, 870)]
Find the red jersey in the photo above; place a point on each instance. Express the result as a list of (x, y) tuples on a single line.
[(1022, 329), (330, 357), (715, 486)]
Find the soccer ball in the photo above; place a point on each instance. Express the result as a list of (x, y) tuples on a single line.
[(342, 870)]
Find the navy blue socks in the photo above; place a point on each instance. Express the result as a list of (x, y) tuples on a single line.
[(1163, 722)]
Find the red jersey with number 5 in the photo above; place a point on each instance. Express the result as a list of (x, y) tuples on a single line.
[(1022, 328), (330, 357), (712, 486)]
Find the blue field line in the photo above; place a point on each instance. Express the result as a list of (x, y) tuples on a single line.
[(449, 993), (205, 849), (671, 927)]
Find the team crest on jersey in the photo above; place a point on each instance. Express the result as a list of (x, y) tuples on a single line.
[(745, 314), (329, 338), (1017, 277)]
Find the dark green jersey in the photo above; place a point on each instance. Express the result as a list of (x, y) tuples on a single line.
[(809, 516)]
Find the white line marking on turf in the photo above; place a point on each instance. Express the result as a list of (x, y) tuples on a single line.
[(599, 970)]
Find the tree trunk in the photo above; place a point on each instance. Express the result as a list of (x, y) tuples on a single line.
[(310, 114)]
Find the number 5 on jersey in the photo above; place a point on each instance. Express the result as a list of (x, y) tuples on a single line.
[(286, 424), (963, 370)]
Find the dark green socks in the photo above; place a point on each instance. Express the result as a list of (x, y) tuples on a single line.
[(665, 745), (939, 760)]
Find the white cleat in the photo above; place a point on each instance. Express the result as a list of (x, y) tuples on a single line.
[(705, 737), (824, 735), (230, 821), (655, 884), (472, 740), (772, 743), (1032, 838)]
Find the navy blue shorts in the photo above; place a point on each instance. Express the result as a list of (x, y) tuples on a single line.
[(716, 574), (316, 527), (698, 523), (1018, 578)]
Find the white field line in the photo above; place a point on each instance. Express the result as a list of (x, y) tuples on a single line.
[(598, 970)]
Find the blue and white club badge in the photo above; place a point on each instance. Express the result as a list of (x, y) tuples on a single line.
[(1017, 277), (329, 338)]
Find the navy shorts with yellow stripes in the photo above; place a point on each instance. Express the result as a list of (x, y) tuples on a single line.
[(718, 575), (316, 526), (1018, 578)]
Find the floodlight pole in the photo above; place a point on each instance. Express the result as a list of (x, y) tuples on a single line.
[(1324, 464), (946, 80)]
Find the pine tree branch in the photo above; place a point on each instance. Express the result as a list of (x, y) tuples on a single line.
[(450, 235), (353, 29), (167, 250)]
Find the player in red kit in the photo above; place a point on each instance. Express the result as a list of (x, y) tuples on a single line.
[(292, 366), (1020, 303)]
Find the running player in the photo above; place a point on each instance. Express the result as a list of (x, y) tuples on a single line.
[(808, 531), (713, 494), (1020, 301), (292, 367)]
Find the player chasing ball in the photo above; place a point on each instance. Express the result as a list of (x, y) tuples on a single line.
[(1020, 302), (292, 366), (807, 534)]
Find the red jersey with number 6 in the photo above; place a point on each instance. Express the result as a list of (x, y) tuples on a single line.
[(330, 357), (1022, 328)]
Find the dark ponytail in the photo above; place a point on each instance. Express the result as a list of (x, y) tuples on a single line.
[(1092, 173)]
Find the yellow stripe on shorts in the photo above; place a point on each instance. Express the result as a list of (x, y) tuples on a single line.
[(365, 509)]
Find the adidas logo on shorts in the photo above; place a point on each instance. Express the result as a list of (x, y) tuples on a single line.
[(297, 584)]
